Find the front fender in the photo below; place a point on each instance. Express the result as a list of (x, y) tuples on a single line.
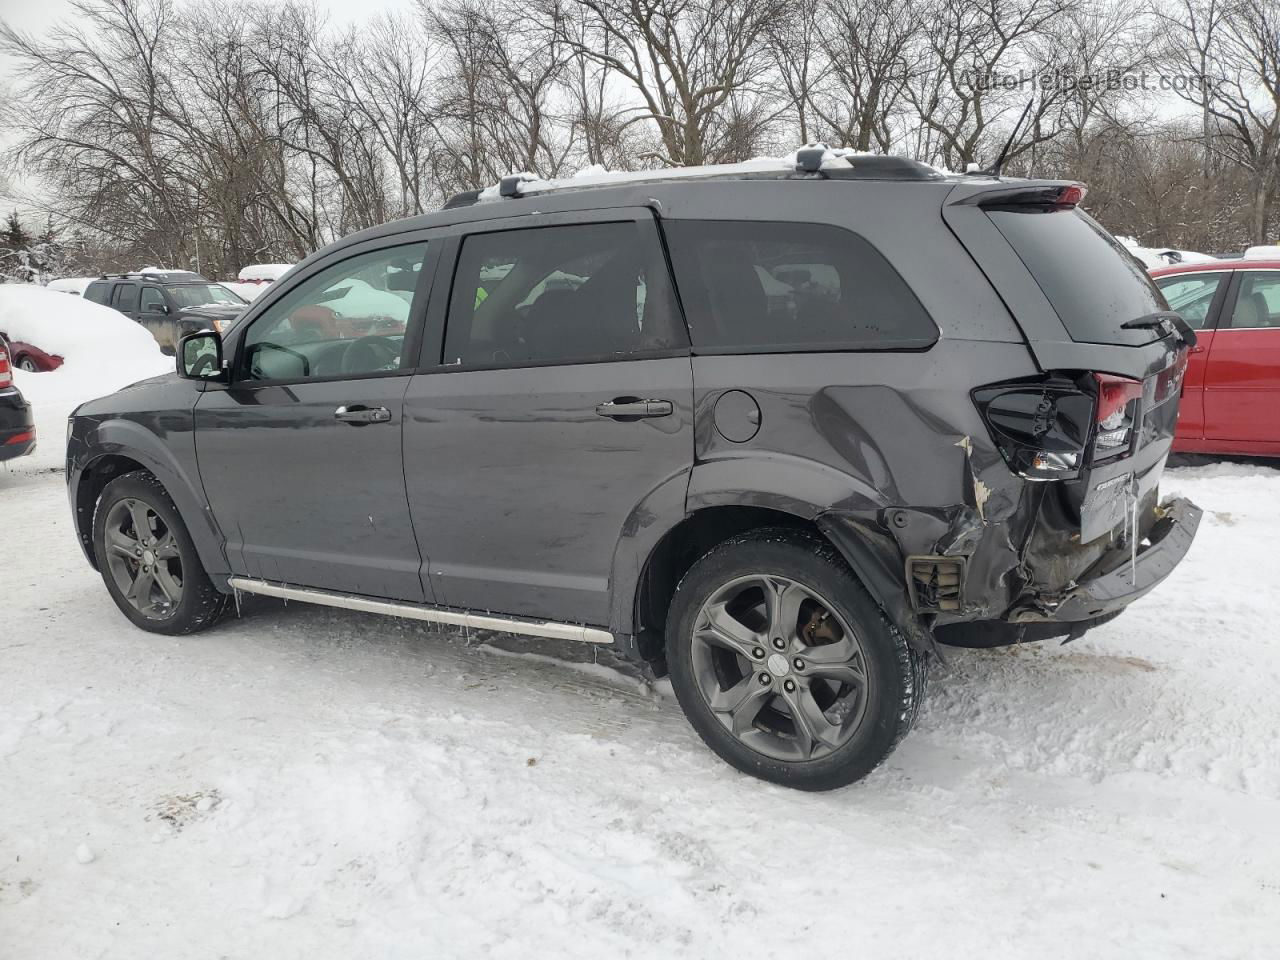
[(168, 454)]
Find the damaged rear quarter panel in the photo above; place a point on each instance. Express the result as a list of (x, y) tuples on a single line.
[(885, 442)]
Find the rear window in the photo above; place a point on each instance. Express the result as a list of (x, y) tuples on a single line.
[(753, 285), (1091, 281)]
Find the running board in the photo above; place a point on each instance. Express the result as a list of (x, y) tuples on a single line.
[(528, 628)]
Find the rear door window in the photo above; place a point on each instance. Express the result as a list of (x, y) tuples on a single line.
[(589, 291), (1093, 283), (1258, 302), (766, 286), (1191, 294), (125, 297), (97, 291)]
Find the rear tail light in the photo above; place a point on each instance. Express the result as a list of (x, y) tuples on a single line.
[(1116, 414), (1050, 427), (6, 375), (1041, 425), (20, 438)]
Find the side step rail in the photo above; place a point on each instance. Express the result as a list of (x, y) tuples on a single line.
[(458, 618)]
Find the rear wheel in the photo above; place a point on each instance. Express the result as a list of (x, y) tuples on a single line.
[(784, 664), (148, 560), (29, 365)]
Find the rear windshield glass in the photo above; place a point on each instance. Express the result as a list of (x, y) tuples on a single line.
[(1092, 282)]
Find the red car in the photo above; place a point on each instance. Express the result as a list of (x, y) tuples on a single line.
[(1231, 392), (29, 357)]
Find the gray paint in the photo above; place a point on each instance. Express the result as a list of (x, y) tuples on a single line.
[(502, 490)]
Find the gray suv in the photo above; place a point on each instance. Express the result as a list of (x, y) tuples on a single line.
[(776, 430)]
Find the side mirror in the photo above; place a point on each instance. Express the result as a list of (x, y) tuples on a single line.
[(157, 308), (200, 356)]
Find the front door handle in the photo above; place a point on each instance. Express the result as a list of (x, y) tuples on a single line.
[(633, 408), (358, 414)]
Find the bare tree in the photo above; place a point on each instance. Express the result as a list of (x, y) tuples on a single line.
[(686, 60), (1232, 50), (960, 95)]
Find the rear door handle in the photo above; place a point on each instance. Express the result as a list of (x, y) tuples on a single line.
[(632, 408), (358, 414)]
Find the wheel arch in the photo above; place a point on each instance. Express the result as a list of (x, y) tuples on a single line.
[(121, 447), (870, 553)]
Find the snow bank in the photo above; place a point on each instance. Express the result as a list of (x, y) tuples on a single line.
[(102, 351)]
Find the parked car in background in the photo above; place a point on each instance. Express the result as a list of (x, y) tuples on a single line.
[(29, 357), (246, 291), (264, 273), (583, 412), (72, 285), (1231, 391), (17, 429), (168, 303), (1156, 257), (1269, 251)]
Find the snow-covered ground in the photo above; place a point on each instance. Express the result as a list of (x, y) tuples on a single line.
[(304, 782)]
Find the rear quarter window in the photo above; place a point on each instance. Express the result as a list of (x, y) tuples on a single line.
[(1092, 282), (757, 286)]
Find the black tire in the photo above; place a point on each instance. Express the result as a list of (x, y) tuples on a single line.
[(199, 603), (894, 676)]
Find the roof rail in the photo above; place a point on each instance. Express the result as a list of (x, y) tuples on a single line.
[(812, 161)]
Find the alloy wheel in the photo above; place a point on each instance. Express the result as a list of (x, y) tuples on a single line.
[(779, 667), (143, 558)]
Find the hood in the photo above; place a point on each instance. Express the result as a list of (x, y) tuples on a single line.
[(218, 311)]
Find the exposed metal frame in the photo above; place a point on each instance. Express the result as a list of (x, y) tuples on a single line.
[(549, 629)]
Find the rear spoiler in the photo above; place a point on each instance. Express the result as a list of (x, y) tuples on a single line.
[(1040, 193)]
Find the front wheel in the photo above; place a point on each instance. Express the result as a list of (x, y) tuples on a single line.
[(784, 664), (148, 560)]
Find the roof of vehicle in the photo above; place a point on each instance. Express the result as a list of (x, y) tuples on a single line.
[(813, 161), (264, 271), (74, 285), (1215, 265), (1267, 251), (164, 277), (596, 189)]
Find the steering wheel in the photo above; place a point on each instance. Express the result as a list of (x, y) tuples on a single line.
[(369, 354)]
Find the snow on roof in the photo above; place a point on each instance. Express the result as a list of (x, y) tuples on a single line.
[(74, 285), (1267, 251), (596, 175), (264, 271), (1153, 257)]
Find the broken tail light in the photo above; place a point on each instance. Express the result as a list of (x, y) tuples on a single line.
[(1116, 415), (1041, 425), (1050, 427)]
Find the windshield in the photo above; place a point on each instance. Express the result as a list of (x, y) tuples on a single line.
[(1092, 281), (203, 295)]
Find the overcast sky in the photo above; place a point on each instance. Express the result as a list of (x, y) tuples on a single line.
[(37, 16)]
